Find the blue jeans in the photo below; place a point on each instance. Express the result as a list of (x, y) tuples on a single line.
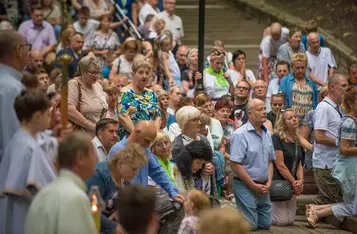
[(256, 208)]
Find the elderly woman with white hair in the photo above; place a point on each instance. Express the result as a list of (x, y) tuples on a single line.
[(86, 99), (189, 120)]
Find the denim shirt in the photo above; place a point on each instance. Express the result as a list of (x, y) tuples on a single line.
[(286, 86), (152, 169)]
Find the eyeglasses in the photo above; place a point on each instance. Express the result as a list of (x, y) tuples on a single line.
[(94, 73), (277, 104), (27, 47), (242, 87)]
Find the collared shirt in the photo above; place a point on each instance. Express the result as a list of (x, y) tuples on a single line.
[(24, 169), (10, 87), (62, 207), (38, 36), (320, 63), (252, 151), (174, 24), (101, 152), (91, 26), (327, 117), (152, 169)]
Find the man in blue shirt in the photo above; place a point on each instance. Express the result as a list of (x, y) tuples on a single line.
[(253, 167), (144, 133), (74, 50)]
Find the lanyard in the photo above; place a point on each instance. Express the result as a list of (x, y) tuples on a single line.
[(335, 107)]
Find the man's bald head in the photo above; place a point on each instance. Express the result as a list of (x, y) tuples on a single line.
[(181, 55), (313, 41), (145, 133), (275, 31), (36, 59), (257, 114), (8, 41), (156, 87)]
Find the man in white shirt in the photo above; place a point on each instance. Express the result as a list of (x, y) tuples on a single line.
[(173, 22), (282, 69), (149, 8), (327, 120), (85, 25), (269, 48), (63, 206), (106, 137), (320, 60)]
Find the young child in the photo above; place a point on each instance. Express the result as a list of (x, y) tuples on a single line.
[(25, 167), (196, 201), (164, 60)]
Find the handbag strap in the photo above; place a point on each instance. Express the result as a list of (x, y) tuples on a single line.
[(118, 68), (78, 107)]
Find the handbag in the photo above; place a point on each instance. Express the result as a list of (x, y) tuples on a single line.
[(281, 190)]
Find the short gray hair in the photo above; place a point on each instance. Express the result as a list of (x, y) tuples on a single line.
[(335, 79), (8, 40), (185, 114), (86, 63)]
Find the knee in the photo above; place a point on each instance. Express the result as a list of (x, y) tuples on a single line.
[(266, 224), (281, 222)]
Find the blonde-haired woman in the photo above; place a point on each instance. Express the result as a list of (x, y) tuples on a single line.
[(214, 80), (287, 165), (110, 89), (300, 92), (137, 102), (191, 75), (111, 176), (87, 102)]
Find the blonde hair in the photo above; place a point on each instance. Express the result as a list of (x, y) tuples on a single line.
[(217, 54), (132, 153), (139, 63), (280, 127), (189, 53), (86, 63), (201, 99), (185, 114), (199, 200), (109, 87), (160, 136), (299, 57), (223, 220)]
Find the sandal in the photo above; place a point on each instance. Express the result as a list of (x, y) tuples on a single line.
[(312, 219), (308, 208)]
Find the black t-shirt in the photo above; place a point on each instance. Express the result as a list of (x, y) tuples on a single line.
[(293, 155), (240, 115), (187, 75), (272, 117)]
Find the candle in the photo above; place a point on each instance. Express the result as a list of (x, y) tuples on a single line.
[(96, 212)]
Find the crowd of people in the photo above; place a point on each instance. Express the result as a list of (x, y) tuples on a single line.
[(162, 155)]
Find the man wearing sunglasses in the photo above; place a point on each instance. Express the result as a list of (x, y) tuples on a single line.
[(14, 55)]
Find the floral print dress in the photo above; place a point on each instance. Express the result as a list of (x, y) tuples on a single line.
[(139, 106)]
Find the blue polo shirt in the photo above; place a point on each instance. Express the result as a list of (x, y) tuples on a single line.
[(252, 151), (152, 169)]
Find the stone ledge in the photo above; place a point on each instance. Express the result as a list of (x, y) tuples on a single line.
[(337, 46)]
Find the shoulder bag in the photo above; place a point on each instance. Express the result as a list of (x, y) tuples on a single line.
[(281, 190)]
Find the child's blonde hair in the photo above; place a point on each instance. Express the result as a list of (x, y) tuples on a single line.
[(223, 220), (199, 200)]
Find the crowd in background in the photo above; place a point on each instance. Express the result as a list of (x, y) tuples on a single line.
[(164, 155)]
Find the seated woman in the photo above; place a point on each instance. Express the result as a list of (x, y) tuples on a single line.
[(189, 168), (345, 168), (287, 166), (161, 148), (111, 176)]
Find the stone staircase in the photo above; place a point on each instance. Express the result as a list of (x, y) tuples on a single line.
[(223, 22)]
